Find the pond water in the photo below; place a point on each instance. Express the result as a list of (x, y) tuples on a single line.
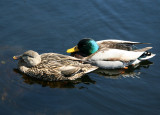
[(54, 26)]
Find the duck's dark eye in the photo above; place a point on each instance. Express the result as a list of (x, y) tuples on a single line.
[(30, 56), (25, 55)]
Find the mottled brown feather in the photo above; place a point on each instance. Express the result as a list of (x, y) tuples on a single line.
[(54, 67)]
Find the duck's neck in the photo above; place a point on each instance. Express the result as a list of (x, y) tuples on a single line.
[(22, 66), (92, 48)]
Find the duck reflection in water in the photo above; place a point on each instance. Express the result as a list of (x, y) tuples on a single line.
[(132, 72), (56, 84)]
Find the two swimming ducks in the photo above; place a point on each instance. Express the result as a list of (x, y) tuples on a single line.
[(87, 56)]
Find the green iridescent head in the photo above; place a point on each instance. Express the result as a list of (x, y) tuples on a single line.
[(86, 46)]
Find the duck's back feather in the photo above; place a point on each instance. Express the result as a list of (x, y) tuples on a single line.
[(118, 44), (55, 67)]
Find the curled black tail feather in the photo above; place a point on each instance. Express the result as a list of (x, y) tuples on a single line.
[(146, 53)]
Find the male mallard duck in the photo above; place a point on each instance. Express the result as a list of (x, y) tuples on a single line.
[(110, 54), (52, 66)]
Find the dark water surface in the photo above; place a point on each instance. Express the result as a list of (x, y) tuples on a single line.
[(56, 25)]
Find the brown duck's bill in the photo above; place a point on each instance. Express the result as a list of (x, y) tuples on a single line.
[(16, 57), (74, 49)]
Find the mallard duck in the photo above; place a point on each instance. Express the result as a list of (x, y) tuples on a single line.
[(110, 54), (52, 66)]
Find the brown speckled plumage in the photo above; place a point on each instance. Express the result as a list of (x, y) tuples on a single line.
[(114, 45), (54, 67), (117, 44)]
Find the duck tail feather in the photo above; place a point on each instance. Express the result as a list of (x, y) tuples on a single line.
[(139, 43), (143, 49), (147, 57)]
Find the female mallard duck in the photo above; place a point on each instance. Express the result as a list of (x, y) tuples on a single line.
[(110, 54), (52, 66)]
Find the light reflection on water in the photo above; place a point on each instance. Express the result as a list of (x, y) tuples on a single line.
[(54, 26)]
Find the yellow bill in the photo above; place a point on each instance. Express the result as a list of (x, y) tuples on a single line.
[(16, 57), (74, 49)]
